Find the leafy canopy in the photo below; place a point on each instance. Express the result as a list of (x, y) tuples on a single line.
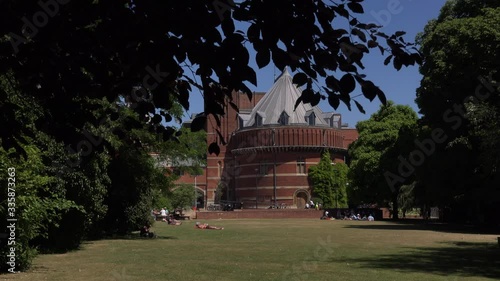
[(153, 54), (329, 182), (376, 151)]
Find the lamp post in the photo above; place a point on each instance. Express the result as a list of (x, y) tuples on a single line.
[(274, 169), (256, 191), (226, 185)]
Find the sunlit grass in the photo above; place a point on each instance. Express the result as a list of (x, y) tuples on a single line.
[(288, 249)]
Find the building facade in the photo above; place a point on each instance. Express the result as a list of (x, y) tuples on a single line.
[(270, 147)]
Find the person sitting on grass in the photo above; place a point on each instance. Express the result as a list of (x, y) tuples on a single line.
[(325, 216), (206, 226), (146, 232)]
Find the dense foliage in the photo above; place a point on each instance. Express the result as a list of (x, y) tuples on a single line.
[(152, 53), (374, 155), (329, 182), (459, 95), (88, 88)]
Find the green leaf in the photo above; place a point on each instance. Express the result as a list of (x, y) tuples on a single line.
[(340, 9), (369, 90), (355, 7), (227, 26), (372, 44), (399, 33), (334, 101), (198, 123), (299, 79), (347, 84), (307, 96), (387, 60), (397, 63), (333, 83), (297, 102), (315, 99), (263, 58), (253, 33), (360, 108), (221, 138), (359, 33), (381, 97), (280, 58), (249, 75), (214, 148)]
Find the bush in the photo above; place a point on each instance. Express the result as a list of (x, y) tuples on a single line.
[(38, 204)]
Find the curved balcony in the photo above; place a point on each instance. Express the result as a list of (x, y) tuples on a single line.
[(286, 138)]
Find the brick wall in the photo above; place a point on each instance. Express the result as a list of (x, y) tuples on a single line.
[(261, 214)]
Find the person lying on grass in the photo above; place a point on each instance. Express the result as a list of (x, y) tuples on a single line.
[(206, 226), (171, 221)]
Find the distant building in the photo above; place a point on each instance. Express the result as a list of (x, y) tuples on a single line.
[(270, 147)]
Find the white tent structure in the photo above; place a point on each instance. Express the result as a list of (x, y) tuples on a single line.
[(277, 108)]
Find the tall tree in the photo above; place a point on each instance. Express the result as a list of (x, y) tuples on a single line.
[(459, 95), (329, 182), (340, 183), (374, 155)]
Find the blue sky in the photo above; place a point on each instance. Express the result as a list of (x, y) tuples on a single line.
[(408, 15)]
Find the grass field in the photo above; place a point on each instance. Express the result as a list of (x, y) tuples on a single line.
[(280, 250)]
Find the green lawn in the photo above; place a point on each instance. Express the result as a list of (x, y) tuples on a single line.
[(280, 250)]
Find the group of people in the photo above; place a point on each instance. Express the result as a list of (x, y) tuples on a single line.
[(312, 205), (163, 213), (164, 216), (358, 217), (349, 216)]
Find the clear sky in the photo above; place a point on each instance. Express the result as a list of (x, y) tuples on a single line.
[(408, 15)]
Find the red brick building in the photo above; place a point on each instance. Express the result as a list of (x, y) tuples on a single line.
[(270, 147)]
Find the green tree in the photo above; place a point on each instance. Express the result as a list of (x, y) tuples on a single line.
[(459, 95), (32, 196), (329, 182), (340, 183), (382, 138), (183, 196)]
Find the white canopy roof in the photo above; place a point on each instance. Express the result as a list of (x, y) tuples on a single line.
[(282, 97)]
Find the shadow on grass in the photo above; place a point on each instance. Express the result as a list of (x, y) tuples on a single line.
[(456, 258), (138, 237), (427, 225)]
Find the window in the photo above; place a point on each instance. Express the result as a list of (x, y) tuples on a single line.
[(301, 166), (283, 120), (335, 121), (240, 123), (263, 169), (311, 119), (258, 120), (178, 172)]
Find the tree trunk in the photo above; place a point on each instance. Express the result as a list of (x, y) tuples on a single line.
[(395, 207)]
